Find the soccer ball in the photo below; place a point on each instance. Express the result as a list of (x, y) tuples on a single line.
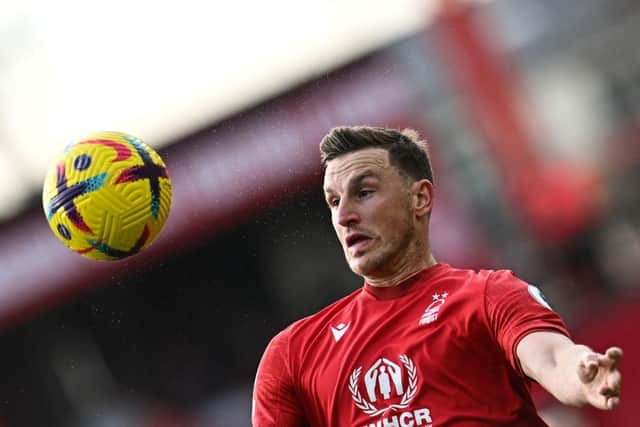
[(107, 196)]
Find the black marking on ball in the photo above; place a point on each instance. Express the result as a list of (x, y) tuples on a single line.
[(64, 231), (82, 162)]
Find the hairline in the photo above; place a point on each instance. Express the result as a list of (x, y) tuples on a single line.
[(369, 170), (390, 160)]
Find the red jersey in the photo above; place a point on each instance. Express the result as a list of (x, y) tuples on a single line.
[(437, 350)]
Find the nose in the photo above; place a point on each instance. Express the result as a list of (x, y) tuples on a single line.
[(346, 215)]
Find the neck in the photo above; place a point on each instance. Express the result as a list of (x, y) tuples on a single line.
[(402, 274)]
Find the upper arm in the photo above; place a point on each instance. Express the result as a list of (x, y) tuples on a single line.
[(515, 310), (275, 402)]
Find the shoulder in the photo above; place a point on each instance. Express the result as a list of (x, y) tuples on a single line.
[(479, 279), (483, 276), (504, 284), (486, 285), (467, 274), (305, 328)]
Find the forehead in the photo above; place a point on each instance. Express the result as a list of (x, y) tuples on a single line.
[(373, 161)]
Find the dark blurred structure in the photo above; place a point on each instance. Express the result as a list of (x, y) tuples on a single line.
[(532, 111)]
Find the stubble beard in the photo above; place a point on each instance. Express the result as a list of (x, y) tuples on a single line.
[(387, 259)]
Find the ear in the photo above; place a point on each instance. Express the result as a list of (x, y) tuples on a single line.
[(422, 192)]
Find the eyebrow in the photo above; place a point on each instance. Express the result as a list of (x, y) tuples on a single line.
[(357, 179), (361, 177)]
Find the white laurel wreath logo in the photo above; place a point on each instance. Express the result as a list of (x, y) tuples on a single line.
[(370, 409)]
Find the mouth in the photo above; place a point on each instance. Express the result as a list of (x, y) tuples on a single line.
[(357, 241)]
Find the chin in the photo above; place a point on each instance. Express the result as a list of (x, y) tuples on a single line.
[(362, 266), (356, 266)]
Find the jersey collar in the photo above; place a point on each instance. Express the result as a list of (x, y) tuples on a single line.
[(404, 287)]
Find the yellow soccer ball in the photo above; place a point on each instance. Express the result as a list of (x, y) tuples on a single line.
[(107, 196)]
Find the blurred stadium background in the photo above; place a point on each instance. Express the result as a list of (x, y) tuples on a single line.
[(531, 108)]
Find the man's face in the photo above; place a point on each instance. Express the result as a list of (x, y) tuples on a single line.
[(371, 211)]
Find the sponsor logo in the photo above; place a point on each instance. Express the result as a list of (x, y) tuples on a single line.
[(338, 331), (431, 312), (384, 386), (418, 417)]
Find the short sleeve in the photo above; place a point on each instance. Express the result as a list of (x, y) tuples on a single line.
[(516, 309), (275, 403)]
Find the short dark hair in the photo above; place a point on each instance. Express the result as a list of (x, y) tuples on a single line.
[(407, 152)]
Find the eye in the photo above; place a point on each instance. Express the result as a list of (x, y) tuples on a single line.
[(364, 193), (333, 202)]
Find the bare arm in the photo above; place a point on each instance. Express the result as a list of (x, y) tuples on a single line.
[(574, 374)]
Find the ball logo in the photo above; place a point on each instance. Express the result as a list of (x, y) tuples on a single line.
[(385, 385)]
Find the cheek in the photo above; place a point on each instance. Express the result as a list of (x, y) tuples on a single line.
[(393, 221), (336, 226), (388, 213), (334, 221)]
